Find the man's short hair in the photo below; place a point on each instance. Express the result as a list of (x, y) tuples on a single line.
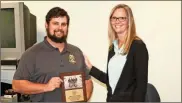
[(56, 12)]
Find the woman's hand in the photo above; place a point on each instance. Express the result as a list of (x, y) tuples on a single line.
[(87, 62)]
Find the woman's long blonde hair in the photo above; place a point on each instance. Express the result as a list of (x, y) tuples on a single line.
[(131, 33)]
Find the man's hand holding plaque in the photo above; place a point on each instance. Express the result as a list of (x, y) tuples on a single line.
[(53, 83)]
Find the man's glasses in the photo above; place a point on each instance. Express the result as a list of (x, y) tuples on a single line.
[(121, 19)]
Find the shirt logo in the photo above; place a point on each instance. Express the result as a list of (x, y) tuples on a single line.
[(72, 59)]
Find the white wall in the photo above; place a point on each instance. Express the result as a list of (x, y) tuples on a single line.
[(158, 24)]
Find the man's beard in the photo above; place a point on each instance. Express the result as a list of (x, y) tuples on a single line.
[(56, 39)]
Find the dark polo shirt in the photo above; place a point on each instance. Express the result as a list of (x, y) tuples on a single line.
[(42, 61)]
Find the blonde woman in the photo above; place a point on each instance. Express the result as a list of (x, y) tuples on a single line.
[(127, 68)]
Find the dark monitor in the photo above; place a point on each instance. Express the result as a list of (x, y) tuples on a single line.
[(17, 30)]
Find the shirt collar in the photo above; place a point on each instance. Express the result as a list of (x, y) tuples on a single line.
[(116, 48)]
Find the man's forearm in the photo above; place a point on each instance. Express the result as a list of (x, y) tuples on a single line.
[(89, 88), (27, 87)]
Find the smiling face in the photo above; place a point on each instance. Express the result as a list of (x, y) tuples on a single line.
[(57, 23), (121, 27), (119, 21), (57, 29)]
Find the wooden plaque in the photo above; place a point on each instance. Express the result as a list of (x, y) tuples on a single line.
[(73, 87)]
